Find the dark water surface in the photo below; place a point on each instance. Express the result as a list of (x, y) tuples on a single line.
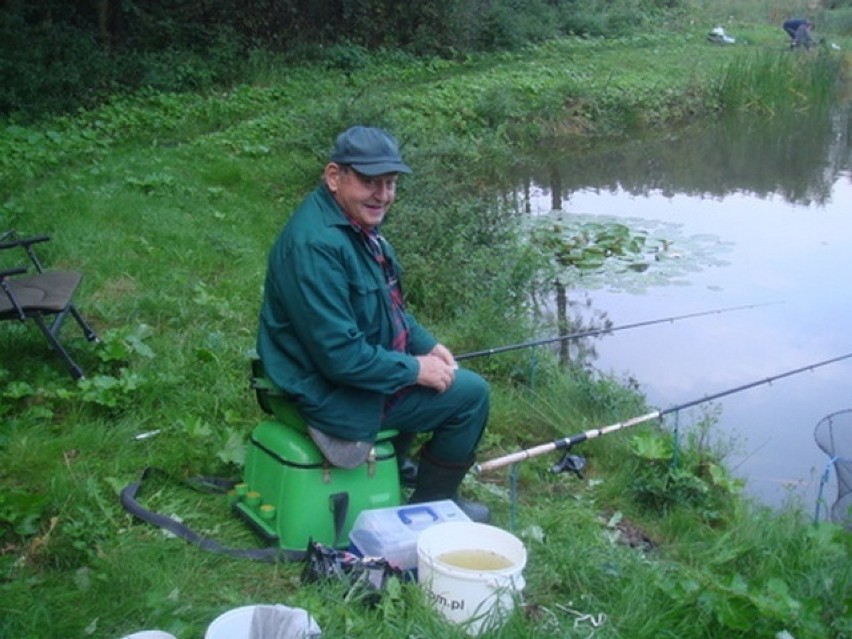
[(760, 211)]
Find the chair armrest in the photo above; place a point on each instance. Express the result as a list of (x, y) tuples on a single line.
[(26, 242), (12, 271)]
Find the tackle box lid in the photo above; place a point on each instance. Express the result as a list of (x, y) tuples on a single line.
[(391, 533)]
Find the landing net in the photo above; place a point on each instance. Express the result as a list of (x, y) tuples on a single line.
[(833, 434)]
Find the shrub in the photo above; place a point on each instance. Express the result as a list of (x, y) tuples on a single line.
[(48, 68)]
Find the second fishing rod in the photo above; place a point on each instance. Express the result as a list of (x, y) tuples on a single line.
[(566, 443), (605, 331)]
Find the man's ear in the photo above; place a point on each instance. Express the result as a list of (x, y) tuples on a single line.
[(332, 175)]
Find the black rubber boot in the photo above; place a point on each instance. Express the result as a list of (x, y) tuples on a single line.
[(436, 481), (407, 466), (407, 472)]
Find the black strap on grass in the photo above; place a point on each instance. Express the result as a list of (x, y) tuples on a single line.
[(131, 505)]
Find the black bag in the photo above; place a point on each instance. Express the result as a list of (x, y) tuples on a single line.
[(366, 577)]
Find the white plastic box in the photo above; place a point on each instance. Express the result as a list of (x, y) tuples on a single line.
[(391, 533)]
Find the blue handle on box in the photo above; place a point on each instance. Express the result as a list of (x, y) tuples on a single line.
[(405, 514)]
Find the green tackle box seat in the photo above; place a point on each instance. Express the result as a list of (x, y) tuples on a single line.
[(291, 494)]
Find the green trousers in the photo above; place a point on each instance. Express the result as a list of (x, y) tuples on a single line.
[(456, 418)]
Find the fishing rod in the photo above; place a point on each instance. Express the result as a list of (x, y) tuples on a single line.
[(567, 442), (601, 331)]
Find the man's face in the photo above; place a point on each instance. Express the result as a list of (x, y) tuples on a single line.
[(364, 198)]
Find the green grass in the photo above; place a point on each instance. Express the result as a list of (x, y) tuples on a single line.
[(168, 204)]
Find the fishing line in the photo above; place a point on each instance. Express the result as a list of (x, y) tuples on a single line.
[(568, 442), (754, 452), (603, 331)]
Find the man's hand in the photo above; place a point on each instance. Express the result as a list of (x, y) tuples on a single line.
[(444, 353), (437, 369)]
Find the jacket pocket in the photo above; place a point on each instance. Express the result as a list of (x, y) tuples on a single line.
[(367, 301)]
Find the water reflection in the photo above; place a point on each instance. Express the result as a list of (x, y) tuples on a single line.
[(798, 157), (779, 196)]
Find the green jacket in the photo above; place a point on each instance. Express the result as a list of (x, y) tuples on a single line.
[(325, 325)]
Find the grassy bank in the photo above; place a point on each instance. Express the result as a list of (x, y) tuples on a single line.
[(168, 204)]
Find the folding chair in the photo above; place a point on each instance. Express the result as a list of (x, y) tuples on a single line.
[(44, 296)]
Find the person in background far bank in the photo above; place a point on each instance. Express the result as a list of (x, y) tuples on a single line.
[(799, 30)]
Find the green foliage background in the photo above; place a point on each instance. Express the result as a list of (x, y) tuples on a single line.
[(56, 55)]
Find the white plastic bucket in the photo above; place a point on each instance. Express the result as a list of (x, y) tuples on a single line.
[(471, 572), (237, 623), (234, 624)]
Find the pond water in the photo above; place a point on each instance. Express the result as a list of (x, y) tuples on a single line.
[(756, 212)]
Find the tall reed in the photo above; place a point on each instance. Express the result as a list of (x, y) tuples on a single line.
[(771, 82)]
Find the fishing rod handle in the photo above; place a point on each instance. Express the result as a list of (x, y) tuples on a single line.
[(514, 458), (542, 449)]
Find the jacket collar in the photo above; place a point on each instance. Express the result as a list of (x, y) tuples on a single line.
[(332, 213)]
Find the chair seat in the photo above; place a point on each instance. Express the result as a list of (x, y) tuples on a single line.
[(45, 297), (46, 292)]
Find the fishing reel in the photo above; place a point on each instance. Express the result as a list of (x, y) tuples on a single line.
[(570, 463)]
